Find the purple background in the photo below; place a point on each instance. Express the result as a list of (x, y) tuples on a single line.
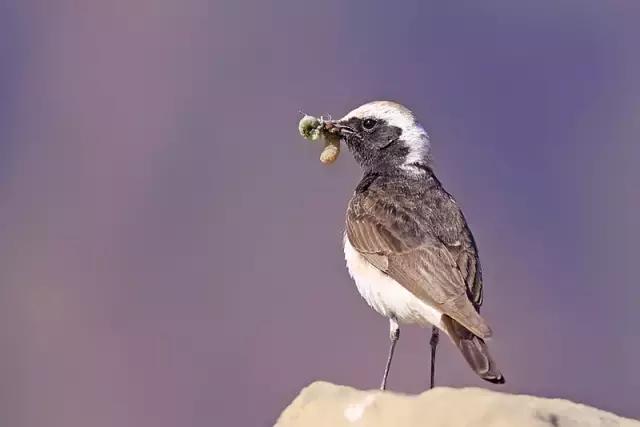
[(171, 248)]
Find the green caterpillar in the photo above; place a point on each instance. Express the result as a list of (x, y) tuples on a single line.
[(312, 128)]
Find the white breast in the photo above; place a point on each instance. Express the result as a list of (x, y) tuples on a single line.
[(385, 295)]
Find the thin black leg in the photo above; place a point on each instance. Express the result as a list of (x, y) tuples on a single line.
[(435, 337), (394, 335)]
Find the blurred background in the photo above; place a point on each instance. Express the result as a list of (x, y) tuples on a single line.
[(171, 248)]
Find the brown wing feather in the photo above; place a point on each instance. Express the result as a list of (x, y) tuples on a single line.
[(428, 271), (467, 261)]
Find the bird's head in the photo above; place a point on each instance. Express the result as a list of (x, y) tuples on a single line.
[(383, 134)]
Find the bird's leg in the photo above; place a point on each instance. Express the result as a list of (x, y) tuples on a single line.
[(435, 337), (394, 335)]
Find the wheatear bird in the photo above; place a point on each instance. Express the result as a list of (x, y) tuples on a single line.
[(407, 245)]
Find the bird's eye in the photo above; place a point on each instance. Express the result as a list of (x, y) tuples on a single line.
[(369, 124)]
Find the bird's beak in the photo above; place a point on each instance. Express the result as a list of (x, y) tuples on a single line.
[(338, 128)]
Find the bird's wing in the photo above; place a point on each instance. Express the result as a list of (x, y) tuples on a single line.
[(466, 257), (421, 262)]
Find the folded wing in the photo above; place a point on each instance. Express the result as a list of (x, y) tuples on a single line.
[(419, 261)]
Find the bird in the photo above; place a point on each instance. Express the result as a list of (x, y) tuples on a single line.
[(407, 244)]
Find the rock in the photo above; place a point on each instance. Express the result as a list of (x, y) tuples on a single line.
[(324, 404)]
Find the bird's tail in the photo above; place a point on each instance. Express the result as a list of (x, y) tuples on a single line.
[(474, 350)]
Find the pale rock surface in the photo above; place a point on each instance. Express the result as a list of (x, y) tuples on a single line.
[(323, 404)]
